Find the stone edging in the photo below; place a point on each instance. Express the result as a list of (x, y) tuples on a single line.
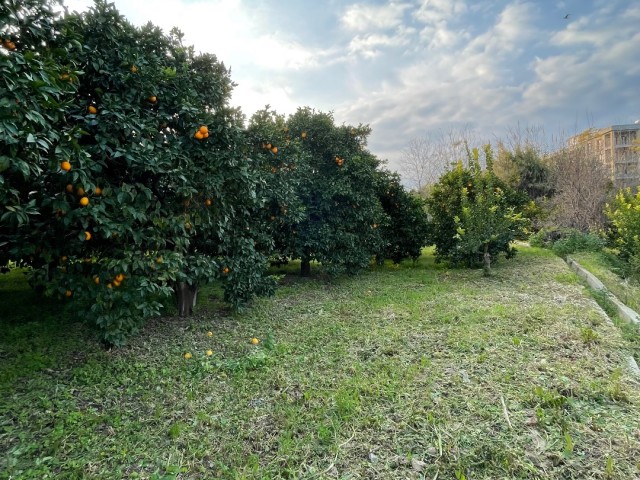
[(627, 314)]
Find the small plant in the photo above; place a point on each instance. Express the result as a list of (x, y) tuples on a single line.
[(589, 336)]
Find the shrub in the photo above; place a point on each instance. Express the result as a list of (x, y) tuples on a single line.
[(474, 213), (624, 231), (564, 241)]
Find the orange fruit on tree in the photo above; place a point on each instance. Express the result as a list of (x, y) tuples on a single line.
[(116, 283), (92, 110), (134, 69), (209, 334), (84, 201), (274, 150), (119, 277), (66, 166), (96, 280), (80, 192), (109, 286), (87, 236), (225, 270), (255, 341), (68, 293), (69, 188), (209, 353), (153, 99), (98, 191), (274, 169), (208, 202), (159, 260), (199, 135), (203, 129), (187, 355), (206, 135)]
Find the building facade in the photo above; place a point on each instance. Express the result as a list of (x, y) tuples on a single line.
[(617, 147)]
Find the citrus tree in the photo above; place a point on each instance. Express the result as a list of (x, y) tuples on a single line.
[(38, 83), (405, 232), (277, 158), (623, 213), (342, 214), (474, 214), (149, 189)]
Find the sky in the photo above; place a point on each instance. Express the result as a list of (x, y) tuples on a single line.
[(416, 68)]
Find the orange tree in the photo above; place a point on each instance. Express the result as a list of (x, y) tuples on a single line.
[(342, 214), (152, 192), (276, 157), (38, 80), (474, 214), (406, 231)]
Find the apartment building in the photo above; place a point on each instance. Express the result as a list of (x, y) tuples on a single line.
[(618, 147)]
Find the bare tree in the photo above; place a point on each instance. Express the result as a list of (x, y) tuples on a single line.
[(582, 184), (428, 157)]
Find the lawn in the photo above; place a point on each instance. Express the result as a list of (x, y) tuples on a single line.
[(410, 371)]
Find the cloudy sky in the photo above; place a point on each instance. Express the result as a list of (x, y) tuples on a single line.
[(415, 67)]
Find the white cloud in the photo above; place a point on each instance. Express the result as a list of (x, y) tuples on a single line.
[(371, 45), (361, 17), (435, 11)]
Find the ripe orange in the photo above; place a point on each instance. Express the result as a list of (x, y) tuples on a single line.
[(268, 146), (199, 135), (203, 129), (303, 134), (87, 236), (206, 135), (92, 110), (209, 334), (69, 188), (255, 341), (64, 258), (225, 270), (84, 201), (109, 286), (9, 44), (153, 99), (119, 277), (209, 353), (274, 169), (116, 283), (80, 192), (134, 69), (96, 280), (208, 202), (274, 150), (188, 355), (68, 293), (98, 191), (66, 166)]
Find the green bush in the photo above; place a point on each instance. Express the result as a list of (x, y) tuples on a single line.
[(457, 202), (624, 231), (564, 241)]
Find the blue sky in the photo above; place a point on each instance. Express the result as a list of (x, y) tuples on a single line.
[(415, 67)]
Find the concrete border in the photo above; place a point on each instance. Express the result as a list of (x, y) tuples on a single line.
[(627, 314)]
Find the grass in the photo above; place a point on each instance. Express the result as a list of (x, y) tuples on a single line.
[(409, 371), (605, 266)]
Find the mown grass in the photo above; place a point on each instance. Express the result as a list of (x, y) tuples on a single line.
[(606, 267), (410, 371)]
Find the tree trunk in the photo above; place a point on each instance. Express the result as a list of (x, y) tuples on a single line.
[(305, 267), (486, 267), (186, 296)]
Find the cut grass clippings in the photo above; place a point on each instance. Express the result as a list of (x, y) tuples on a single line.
[(409, 371)]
